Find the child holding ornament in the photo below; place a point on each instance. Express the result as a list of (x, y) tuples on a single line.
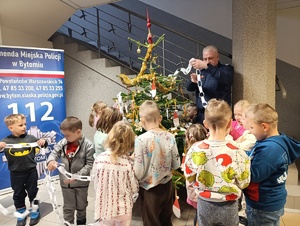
[(217, 169), (113, 176), (155, 156)]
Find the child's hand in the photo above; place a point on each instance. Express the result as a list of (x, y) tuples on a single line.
[(52, 165), (2, 145), (69, 181), (41, 142)]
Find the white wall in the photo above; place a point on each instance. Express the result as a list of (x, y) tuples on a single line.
[(214, 15), (288, 36), (14, 37), (0, 34)]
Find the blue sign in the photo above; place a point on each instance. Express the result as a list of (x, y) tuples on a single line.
[(32, 83)]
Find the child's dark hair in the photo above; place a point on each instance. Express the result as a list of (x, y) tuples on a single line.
[(71, 123), (195, 132), (120, 140), (109, 117)]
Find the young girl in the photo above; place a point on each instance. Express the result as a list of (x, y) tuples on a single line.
[(96, 113), (114, 180), (196, 132), (109, 117), (239, 132), (237, 128)]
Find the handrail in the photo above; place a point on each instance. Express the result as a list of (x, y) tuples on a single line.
[(169, 29), (96, 27), (109, 38)]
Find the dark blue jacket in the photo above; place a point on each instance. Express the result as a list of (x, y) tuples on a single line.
[(216, 83), (269, 169)]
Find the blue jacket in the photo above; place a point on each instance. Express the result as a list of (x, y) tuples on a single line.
[(216, 83), (269, 169)]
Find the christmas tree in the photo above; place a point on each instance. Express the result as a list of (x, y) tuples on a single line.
[(148, 84)]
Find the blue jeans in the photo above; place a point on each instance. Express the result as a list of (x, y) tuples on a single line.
[(263, 218)]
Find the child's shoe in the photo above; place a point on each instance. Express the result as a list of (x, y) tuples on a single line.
[(35, 213), (81, 222), (21, 221)]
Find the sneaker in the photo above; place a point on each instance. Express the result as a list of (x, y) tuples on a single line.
[(35, 213), (81, 222), (21, 221)]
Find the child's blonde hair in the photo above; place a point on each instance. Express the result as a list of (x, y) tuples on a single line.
[(243, 104), (262, 113), (96, 110), (109, 117), (71, 123), (13, 118), (149, 111), (120, 140), (195, 132), (217, 114)]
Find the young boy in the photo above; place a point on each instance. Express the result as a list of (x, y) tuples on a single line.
[(155, 156), (20, 149), (76, 153), (217, 169), (273, 152), (192, 112), (190, 117)]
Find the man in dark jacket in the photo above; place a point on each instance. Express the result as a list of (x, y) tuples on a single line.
[(214, 80)]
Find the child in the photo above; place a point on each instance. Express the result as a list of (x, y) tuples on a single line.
[(96, 113), (241, 136), (273, 152), (114, 179), (155, 156), (191, 115), (217, 169), (237, 128), (76, 153), (109, 117), (22, 166), (196, 132)]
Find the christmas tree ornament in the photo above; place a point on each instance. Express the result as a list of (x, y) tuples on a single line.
[(176, 207), (153, 89), (176, 119)]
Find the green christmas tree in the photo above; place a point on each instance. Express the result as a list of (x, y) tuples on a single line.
[(148, 84)]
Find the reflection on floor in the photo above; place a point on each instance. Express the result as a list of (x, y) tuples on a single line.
[(49, 218)]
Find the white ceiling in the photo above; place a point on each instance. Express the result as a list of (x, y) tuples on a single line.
[(79, 4), (41, 18)]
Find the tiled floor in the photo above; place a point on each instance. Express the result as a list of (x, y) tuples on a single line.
[(49, 218)]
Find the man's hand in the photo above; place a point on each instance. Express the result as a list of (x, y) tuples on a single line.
[(198, 64), (194, 77), (52, 165)]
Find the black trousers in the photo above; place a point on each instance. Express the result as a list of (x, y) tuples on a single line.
[(157, 204), (23, 184)]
